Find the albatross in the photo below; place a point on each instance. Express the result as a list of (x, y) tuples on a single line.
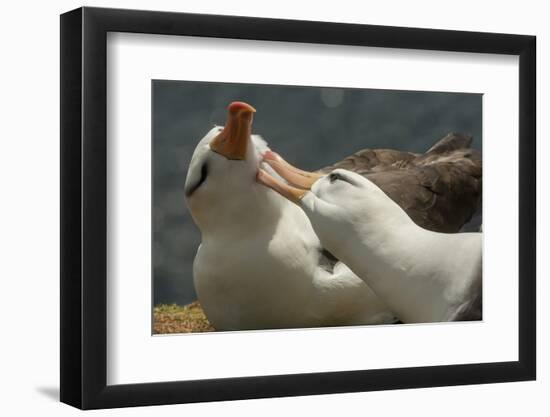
[(423, 276), (260, 264)]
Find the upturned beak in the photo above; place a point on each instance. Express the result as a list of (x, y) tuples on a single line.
[(295, 176), (291, 193), (233, 140)]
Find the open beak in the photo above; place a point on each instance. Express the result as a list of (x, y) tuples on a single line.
[(291, 174), (302, 179), (233, 140), (291, 193)]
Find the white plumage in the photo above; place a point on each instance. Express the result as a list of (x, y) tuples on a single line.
[(423, 276), (260, 264)]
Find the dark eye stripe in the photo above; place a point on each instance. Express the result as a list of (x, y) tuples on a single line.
[(334, 177), (204, 174)]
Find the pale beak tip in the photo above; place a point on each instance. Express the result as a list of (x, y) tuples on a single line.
[(271, 156), (263, 178), (260, 176), (240, 105)]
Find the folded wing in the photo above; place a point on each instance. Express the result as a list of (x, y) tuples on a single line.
[(440, 189)]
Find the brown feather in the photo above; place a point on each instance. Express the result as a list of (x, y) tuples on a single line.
[(440, 189)]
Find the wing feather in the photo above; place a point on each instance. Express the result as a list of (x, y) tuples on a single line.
[(440, 189)]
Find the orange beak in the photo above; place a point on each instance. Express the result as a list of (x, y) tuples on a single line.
[(293, 175), (233, 140), (291, 193)]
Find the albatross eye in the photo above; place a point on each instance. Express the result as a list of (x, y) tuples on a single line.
[(202, 179), (334, 177)]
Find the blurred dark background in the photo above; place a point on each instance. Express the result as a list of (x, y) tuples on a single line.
[(310, 126)]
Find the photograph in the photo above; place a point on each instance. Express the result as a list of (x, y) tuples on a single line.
[(291, 207), (259, 206)]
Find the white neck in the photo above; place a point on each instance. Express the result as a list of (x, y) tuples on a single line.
[(256, 212), (412, 269)]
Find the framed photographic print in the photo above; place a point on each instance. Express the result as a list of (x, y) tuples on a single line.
[(258, 208)]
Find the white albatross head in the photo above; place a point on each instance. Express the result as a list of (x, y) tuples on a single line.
[(220, 186), (340, 204)]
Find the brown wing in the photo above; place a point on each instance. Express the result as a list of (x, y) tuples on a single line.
[(372, 160), (440, 190)]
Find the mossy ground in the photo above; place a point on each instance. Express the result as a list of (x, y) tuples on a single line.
[(173, 318)]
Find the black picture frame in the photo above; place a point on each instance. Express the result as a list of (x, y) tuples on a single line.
[(84, 207)]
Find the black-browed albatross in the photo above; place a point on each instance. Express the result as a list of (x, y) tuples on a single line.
[(423, 276), (260, 265)]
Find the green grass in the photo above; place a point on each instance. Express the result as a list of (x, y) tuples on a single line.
[(173, 318)]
